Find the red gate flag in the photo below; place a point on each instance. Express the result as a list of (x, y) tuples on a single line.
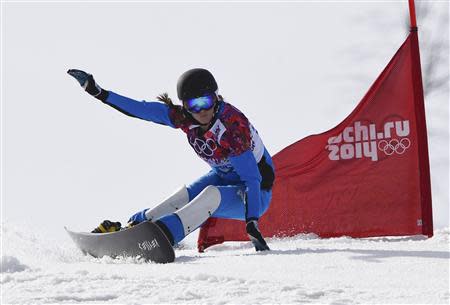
[(368, 176)]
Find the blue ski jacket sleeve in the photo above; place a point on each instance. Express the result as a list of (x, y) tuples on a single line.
[(150, 111), (246, 167)]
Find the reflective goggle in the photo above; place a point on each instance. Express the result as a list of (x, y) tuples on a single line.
[(195, 105)]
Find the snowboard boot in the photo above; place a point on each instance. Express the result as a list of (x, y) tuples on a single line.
[(166, 231), (255, 236), (107, 226)]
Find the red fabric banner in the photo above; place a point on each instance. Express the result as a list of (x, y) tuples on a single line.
[(368, 176)]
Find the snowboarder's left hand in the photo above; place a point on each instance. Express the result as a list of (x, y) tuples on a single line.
[(87, 81)]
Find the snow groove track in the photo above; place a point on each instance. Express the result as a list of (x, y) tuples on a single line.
[(303, 269)]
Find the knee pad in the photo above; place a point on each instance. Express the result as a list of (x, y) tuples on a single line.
[(172, 204), (199, 209)]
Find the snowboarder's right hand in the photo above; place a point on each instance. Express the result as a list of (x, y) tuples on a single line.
[(255, 236), (87, 81)]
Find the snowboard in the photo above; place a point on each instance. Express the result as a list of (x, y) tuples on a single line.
[(144, 240)]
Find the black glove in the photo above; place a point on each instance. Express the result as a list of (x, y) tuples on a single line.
[(87, 81), (255, 236)]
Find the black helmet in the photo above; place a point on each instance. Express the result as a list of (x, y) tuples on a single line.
[(195, 83)]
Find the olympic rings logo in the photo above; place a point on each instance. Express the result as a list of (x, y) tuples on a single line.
[(206, 148), (394, 146)]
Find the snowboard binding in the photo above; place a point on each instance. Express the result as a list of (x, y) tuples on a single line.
[(107, 226)]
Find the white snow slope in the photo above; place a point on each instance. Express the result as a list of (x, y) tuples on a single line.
[(69, 161), (303, 269)]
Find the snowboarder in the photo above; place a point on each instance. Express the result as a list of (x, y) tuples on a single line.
[(240, 181)]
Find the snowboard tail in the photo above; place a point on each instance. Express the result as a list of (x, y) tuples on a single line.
[(144, 240)]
